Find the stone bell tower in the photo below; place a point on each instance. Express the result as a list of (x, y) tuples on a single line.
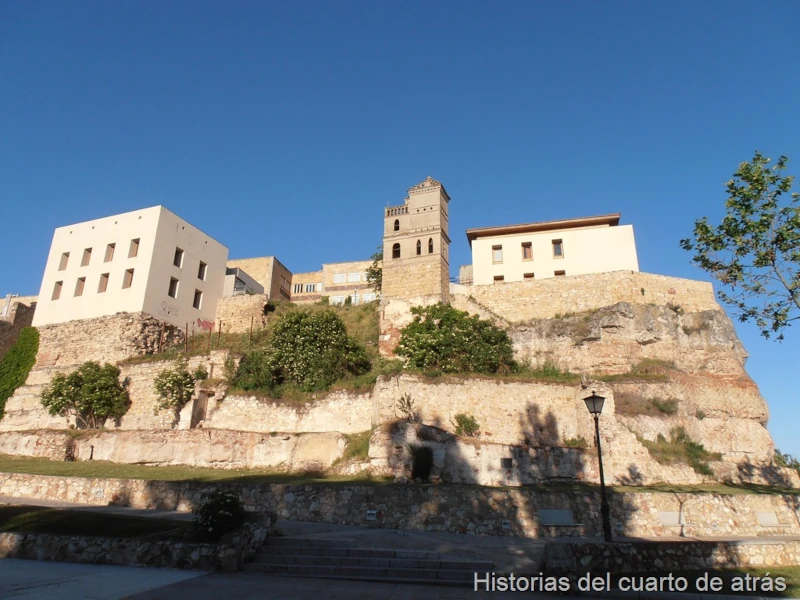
[(416, 266)]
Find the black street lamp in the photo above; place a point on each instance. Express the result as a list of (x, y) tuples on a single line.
[(595, 405)]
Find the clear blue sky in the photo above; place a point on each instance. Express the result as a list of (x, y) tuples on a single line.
[(284, 127)]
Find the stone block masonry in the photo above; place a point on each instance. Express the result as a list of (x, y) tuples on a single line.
[(451, 508), (237, 313), (519, 302), (104, 339), (195, 448)]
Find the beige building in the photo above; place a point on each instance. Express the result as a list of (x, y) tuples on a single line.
[(269, 272), (238, 283), (551, 249), (147, 260), (337, 281)]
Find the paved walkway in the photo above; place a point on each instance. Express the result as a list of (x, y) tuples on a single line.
[(117, 510), (40, 580)]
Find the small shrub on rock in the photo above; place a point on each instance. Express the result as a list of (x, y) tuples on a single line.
[(176, 386), (218, 514), (466, 425)]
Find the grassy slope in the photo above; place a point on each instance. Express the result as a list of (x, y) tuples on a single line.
[(37, 519)]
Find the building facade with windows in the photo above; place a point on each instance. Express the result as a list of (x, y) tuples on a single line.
[(336, 281), (546, 249), (271, 273), (148, 260)]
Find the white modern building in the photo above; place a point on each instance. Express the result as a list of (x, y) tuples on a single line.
[(545, 249), (148, 260)]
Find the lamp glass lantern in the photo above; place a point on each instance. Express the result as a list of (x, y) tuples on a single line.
[(594, 403)]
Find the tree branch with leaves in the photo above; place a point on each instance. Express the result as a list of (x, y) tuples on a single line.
[(755, 252), (375, 270)]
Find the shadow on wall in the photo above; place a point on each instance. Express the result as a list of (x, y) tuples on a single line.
[(552, 498)]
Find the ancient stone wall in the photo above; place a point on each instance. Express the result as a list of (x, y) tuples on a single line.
[(453, 508), (520, 302), (194, 448), (339, 411), (238, 547), (573, 559), (20, 315), (238, 313), (104, 339)]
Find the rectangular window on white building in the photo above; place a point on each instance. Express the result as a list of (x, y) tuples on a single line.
[(497, 254), (103, 285), (298, 288), (527, 251), (353, 277), (133, 251), (109, 253), (173, 288), (558, 249), (64, 260), (177, 260), (87, 256), (79, 285), (57, 290), (337, 299), (127, 281), (369, 297), (339, 278), (198, 299), (201, 271), (311, 287)]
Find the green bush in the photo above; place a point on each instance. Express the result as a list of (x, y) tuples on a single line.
[(421, 461), (91, 394), (310, 349), (176, 386), (441, 338), (466, 425), (17, 363), (218, 514), (786, 460), (668, 407), (576, 442), (681, 448)]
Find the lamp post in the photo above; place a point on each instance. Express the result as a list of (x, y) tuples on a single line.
[(595, 405)]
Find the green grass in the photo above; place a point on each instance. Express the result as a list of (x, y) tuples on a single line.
[(37, 519), (648, 369), (357, 446), (107, 470)]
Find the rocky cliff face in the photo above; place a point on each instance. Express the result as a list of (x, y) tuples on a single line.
[(668, 369)]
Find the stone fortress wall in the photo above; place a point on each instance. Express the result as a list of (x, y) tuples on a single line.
[(518, 419), (20, 314)]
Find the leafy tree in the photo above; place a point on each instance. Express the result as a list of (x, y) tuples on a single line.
[(17, 363), (176, 386), (466, 425), (441, 338), (786, 460), (219, 513), (755, 251), (307, 348), (375, 270), (91, 394)]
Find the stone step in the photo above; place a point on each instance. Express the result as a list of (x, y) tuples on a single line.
[(399, 563), (295, 542), (334, 551), (426, 576)]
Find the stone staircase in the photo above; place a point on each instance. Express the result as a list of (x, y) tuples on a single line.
[(340, 559)]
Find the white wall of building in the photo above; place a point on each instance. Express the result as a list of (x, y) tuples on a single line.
[(173, 233), (598, 249), (158, 231)]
